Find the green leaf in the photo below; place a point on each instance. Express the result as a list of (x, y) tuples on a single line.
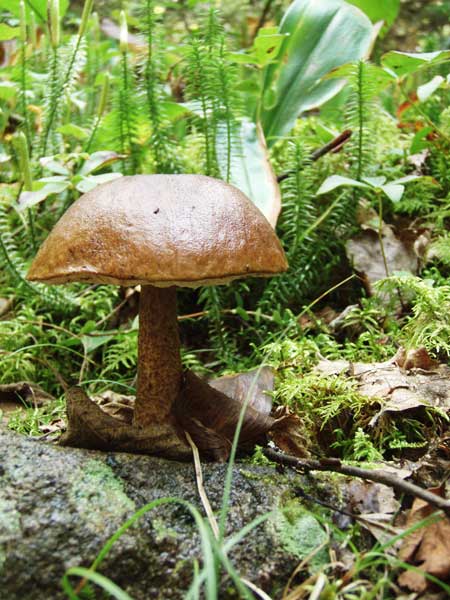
[(265, 48), (8, 90), (103, 582), (49, 163), (379, 10), (420, 141), (405, 63), (379, 77), (98, 160), (86, 184), (7, 32), (393, 191), (92, 342), (39, 7), (323, 34), (251, 170), (336, 181), (427, 89), (28, 199), (375, 181), (73, 130)]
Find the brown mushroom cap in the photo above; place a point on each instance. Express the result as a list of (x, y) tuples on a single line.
[(161, 230)]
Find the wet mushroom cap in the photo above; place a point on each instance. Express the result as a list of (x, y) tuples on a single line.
[(160, 230)]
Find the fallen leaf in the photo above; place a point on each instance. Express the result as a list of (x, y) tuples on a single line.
[(287, 433), (24, 393), (396, 388), (427, 548), (5, 305), (210, 416), (365, 253), (257, 383), (119, 406)]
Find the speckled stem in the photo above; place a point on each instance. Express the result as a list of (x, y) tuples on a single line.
[(159, 361)]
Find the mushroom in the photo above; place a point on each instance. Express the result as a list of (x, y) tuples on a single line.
[(159, 231)]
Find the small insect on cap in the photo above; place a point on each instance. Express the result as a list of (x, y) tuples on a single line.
[(160, 230)]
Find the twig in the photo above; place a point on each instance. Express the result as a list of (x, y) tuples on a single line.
[(335, 144), (209, 511), (201, 489), (263, 18), (254, 588), (376, 475), (225, 311)]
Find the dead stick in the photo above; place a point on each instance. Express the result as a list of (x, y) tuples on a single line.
[(376, 475), (262, 18), (336, 143)]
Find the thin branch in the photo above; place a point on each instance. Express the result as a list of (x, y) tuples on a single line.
[(263, 18), (336, 466), (335, 145), (201, 490)]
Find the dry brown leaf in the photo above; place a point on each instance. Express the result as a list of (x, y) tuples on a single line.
[(287, 433), (24, 393), (427, 548), (364, 252), (203, 411), (257, 383), (397, 389), (119, 406)]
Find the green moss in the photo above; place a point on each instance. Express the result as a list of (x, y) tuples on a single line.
[(9, 525), (300, 534), (99, 497)]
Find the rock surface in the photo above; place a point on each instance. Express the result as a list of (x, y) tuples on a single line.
[(58, 506)]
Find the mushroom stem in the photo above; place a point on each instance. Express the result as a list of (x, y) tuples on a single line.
[(159, 361)]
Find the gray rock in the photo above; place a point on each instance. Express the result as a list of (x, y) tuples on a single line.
[(58, 506)]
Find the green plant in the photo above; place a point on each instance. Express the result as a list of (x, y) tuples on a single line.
[(427, 326)]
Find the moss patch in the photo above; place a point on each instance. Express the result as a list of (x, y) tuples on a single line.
[(99, 496), (9, 525), (300, 534)]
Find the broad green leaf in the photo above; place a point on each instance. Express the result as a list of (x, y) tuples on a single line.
[(409, 178), (264, 50), (28, 199), (336, 181), (427, 89), (97, 160), (92, 342), (379, 77), (79, 133), (251, 170), (8, 90), (420, 141), (393, 191), (405, 63), (375, 181), (379, 10), (173, 110), (39, 7), (323, 34), (7, 32), (48, 162), (86, 184)]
